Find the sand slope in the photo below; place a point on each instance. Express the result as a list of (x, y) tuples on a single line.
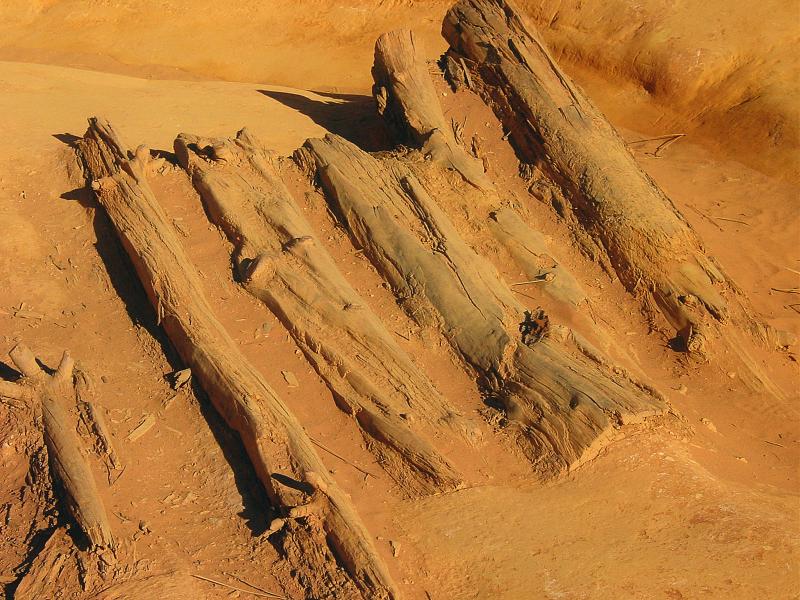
[(725, 73)]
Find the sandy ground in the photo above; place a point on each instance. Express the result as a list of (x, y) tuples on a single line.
[(726, 74), (695, 509)]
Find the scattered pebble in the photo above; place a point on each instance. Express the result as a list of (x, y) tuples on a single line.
[(290, 378), (180, 378), (709, 424), (145, 425)]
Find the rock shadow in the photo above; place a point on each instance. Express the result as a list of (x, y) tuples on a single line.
[(351, 116)]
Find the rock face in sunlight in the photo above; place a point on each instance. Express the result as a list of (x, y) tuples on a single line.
[(475, 309)]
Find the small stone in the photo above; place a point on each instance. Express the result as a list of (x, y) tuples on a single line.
[(395, 548), (290, 378), (180, 378), (732, 374), (709, 424), (145, 425), (741, 459)]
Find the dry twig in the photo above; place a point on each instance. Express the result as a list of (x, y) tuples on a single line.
[(231, 587), (708, 218), (669, 140), (546, 277), (340, 457), (733, 220), (255, 587)]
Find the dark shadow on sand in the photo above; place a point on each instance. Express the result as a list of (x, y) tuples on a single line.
[(350, 116)]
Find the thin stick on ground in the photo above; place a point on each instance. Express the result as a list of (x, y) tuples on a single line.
[(668, 136), (547, 277), (255, 587), (232, 587), (733, 220), (774, 444), (667, 144), (707, 217), (340, 457), (670, 139)]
